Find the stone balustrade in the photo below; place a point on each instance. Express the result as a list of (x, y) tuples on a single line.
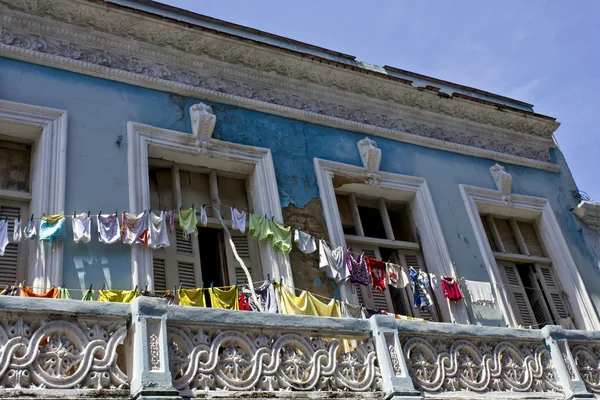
[(150, 350)]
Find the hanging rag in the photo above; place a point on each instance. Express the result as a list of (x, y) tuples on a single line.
[(481, 293), (225, 299), (188, 222), (3, 236), (377, 272), (304, 242), (330, 309), (88, 295), (433, 280), (159, 237), (289, 303), (109, 230), (192, 297), (52, 228), (17, 231), (82, 226), (53, 293), (171, 215), (64, 293), (203, 217), (265, 295), (238, 220), (244, 302), (117, 296), (333, 262), (420, 284), (352, 311), (394, 275), (259, 228), (29, 231), (282, 236), (451, 288), (359, 273), (134, 228)]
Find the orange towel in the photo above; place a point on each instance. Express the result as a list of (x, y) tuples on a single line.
[(53, 293)]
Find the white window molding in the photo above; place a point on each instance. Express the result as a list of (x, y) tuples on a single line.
[(393, 187), (480, 200), (46, 129), (145, 141)]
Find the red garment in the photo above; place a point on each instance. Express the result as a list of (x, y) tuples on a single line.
[(451, 288), (244, 302), (377, 272)]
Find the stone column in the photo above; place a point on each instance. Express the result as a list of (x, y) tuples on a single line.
[(563, 363), (397, 383), (150, 375)]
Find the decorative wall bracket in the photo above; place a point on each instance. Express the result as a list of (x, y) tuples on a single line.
[(589, 213), (503, 181), (203, 121), (370, 155)]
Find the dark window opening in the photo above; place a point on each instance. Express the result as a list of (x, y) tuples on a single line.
[(371, 222), (212, 258), (537, 300)]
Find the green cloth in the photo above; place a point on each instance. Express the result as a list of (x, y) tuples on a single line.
[(188, 221), (282, 236), (259, 227), (88, 296), (64, 294)]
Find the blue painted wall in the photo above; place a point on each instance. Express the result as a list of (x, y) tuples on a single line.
[(98, 111)]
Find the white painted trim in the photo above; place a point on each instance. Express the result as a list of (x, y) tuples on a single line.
[(182, 147), (47, 128), (435, 251), (539, 210)]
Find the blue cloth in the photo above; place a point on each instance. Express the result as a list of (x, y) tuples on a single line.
[(51, 232), (418, 300)]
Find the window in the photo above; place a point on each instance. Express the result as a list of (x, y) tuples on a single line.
[(534, 291), (383, 230), (205, 259), (15, 162)]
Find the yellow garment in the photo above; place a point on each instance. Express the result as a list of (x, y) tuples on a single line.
[(53, 219), (281, 236), (305, 304), (225, 299), (331, 309), (192, 298), (117, 296)]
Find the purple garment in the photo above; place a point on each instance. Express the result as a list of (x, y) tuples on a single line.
[(358, 269)]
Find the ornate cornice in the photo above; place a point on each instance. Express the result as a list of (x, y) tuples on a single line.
[(105, 41)]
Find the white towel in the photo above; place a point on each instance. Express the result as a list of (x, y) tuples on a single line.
[(481, 293)]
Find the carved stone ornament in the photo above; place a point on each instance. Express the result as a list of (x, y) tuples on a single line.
[(369, 154), (254, 361), (195, 62), (203, 121), (587, 360), (503, 181)]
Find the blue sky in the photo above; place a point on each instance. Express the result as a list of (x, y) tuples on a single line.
[(546, 53)]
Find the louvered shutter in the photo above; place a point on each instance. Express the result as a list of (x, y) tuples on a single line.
[(507, 236), (160, 274), (516, 293), (247, 249), (9, 263), (188, 265), (558, 304), (531, 240), (488, 233)]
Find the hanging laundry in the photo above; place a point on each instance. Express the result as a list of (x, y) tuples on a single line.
[(433, 280), (259, 227), (52, 228), (238, 220), (330, 309), (82, 226), (265, 295), (304, 242), (394, 277), (352, 311), (88, 295), (282, 236), (170, 297), (333, 262), (53, 293), (64, 293), (224, 299), (451, 288), (289, 303), (191, 297), (188, 222), (159, 237), (109, 230), (117, 296), (359, 273), (3, 236), (134, 228), (420, 284), (29, 231), (377, 272), (203, 217), (171, 215), (17, 231), (481, 293), (244, 302), (10, 290)]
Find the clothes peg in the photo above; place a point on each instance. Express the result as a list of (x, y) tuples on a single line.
[(146, 289), (116, 211), (43, 215), (100, 213), (202, 285), (19, 218), (31, 217), (74, 212), (212, 284), (281, 281), (104, 286), (89, 212), (268, 277), (180, 286), (91, 285), (236, 283), (193, 206), (136, 288), (174, 288)]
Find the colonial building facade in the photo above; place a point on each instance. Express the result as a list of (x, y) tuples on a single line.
[(130, 106)]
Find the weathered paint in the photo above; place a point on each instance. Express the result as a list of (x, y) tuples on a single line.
[(98, 111)]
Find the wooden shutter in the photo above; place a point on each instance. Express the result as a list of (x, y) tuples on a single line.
[(516, 293), (551, 288), (10, 271), (488, 233), (160, 274), (507, 236), (247, 249), (188, 260), (531, 240)]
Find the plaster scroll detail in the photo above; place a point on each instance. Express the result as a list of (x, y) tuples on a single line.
[(203, 121), (587, 362)]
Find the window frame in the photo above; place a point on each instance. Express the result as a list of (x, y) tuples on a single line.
[(393, 187), (487, 201), (145, 141)]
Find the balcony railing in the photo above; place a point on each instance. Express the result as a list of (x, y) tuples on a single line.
[(75, 349)]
